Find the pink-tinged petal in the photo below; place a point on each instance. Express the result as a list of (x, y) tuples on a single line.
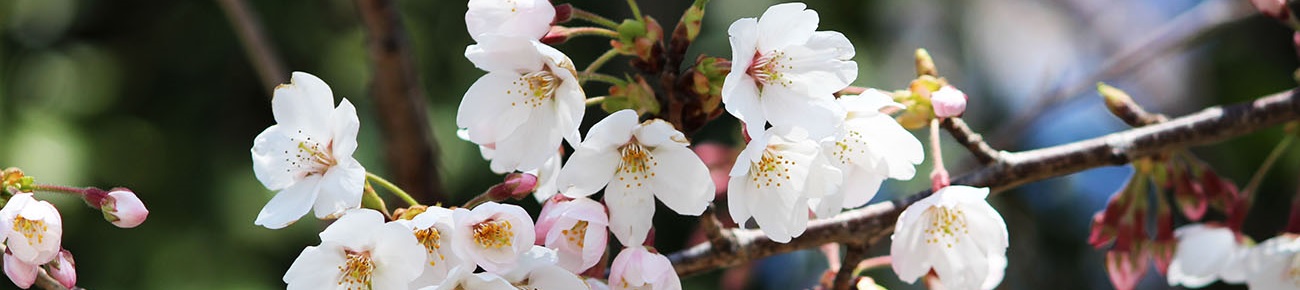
[(948, 102), (784, 25), (304, 103), (40, 245), (657, 132), (613, 131), (340, 189), (345, 126), (312, 268), (64, 270), (126, 208), (587, 171), (681, 180), (21, 273), (631, 209)]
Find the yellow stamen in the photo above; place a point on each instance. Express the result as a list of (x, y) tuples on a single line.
[(494, 234)]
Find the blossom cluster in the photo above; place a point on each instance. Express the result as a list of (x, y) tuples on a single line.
[(1209, 252)]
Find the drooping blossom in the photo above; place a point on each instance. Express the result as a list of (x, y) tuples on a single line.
[(785, 72), (492, 235), (433, 230), (526, 19), (873, 147), (124, 209), (1274, 264), (307, 155), (33, 229), (638, 268), (576, 229), (64, 269), (1206, 253), (359, 251), (948, 102), (529, 101), (636, 163), (954, 232), (773, 179)]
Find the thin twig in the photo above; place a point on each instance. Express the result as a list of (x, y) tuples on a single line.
[(974, 142), (876, 221), (853, 253), (404, 117), (260, 50)]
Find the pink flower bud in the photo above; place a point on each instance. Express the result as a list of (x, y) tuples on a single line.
[(1273, 8), (563, 13), (123, 208), (64, 269), (21, 273), (948, 102), (1125, 268)]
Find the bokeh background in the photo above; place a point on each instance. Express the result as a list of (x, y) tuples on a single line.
[(160, 97)]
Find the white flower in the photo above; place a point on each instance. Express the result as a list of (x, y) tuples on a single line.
[(638, 162), (1206, 253), (529, 100), (463, 277), (433, 230), (956, 233), (529, 19), (33, 229), (873, 147), (576, 229), (538, 269), (773, 180), (637, 268), (1274, 264), (492, 235), (359, 251), (307, 154), (784, 72)]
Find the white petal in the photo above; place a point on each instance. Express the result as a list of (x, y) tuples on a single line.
[(740, 95), (548, 278), (900, 150), (354, 229), (528, 19), (345, 126), (631, 209), (911, 256), (491, 108), (548, 179), (743, 36), (340, 189), (997, 270), (681, 180), (860, 186), (613, 131), (529, 146), (587, 171), (289, 204), (820, 116), (752, 153), (657, 132), (821, 67), (785, 24), (505, 55), (739, 190), (868, 104), (305, 103), (315, 268), (272, 159), (399, 257)]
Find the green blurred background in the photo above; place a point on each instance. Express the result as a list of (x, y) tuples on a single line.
[(159, 96)]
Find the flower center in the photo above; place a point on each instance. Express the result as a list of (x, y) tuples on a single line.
[(311, 157), (853, 143), (357, 270), (429, 238), (1293, 270), (770, 169), (945, 225), (766, 69), (637, 162), (33, 230), (494, 234), (542, 85), (576, 234)]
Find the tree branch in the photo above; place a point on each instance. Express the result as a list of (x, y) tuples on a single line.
[(400, 100), (974, 142), (260, 51), (876, 221)]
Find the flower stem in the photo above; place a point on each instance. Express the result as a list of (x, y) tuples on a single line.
[(636, 10), (600, 61), (593, 18), (370, 199), (486, 196), (604, 78), (60, 189), (872, 263), (938, 177), (595, 101), (392, 188), (1255, 180), (597, 31)]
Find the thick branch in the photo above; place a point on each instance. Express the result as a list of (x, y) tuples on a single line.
[(260, 51), (876, 221), (403, 108)]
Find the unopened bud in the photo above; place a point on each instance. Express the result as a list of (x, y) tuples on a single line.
[(563, 13), (517, 185), (634, 94), (557, 35), (1272, 8), (123, 208), (64, 269), (925, 64), (948, 102), (410, 212)]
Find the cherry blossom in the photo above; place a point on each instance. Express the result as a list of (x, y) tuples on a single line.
[(576, 229), (948, 102), (955, 233), (124, 209), (636, 163), (538, 269), (1273, 264), (307, 155), (873, 147), (433, 230), (33, 229), (774, 178), (637, 268), (784, 72), (528, 19), (1206, 253), (529, 101), (492, 235), (359, 251)]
